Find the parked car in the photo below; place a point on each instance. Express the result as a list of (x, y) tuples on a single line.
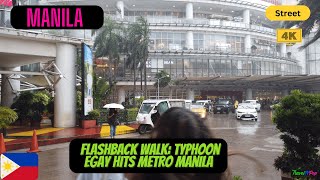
[(199, 109), (147, 109), (206, 104), (223, 106), (255, 103), (246, 111)]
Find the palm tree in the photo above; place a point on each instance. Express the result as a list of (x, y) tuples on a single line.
[(308, 25), (110, 43), (137, 46)]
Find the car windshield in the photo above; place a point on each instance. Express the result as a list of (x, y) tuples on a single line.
[(201, 103), (222, 102), (245, 106), (146, 108), (197, 105), (252, 102)]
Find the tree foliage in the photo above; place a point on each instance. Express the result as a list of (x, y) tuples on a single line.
[(132, 41), (31, 105), (137, 44), (298, 118), (7, 116), (308, 25), (100, 90), (164, 81), (110, 42)]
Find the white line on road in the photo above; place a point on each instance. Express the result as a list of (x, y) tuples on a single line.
[(263, 149), (240, 128), (273, 146), (223, 128)]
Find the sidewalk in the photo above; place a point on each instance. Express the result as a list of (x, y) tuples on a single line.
[(21, 137)]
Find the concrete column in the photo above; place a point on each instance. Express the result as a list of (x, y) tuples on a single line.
[(120, 6), (9, 88), (246, 16), (189, 11), (247, 44), (189, 40), (121, 95), (170, 93), (283, 49), (285, 92), (190, 94), (65, 89), (249, 94)]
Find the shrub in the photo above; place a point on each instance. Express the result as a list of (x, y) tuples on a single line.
[(139, 101), (23, 105), (297, 117), (132, 114), (237, 178), (7, 116), (94, 114)]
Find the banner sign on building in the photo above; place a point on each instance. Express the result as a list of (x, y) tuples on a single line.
[(87, 79), (6, 3)]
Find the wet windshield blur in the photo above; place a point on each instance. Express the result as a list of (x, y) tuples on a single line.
[(245, 106), (223, 102), (146, 108), (197, 105)]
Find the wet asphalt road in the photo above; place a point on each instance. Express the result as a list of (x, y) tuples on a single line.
[(257, 139)]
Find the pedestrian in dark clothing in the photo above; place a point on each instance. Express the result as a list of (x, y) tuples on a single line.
[(113, 122)]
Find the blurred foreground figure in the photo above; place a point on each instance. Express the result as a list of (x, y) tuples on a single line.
[(173, 124), (180, 123)]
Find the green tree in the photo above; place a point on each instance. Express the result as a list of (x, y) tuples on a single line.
[(110, 42), (297, 117), (308, 25), (7, 116), (164, 79), (137, 49), (100, 89)]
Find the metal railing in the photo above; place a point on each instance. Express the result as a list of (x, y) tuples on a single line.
[(79, 34), (204, 22)]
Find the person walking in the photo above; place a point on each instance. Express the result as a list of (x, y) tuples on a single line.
[(113, 122)]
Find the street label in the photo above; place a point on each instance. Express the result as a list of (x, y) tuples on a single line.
[(288, 13), (289, 35)]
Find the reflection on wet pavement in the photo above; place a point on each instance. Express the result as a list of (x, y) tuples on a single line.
[(259, 139), (230, 121)]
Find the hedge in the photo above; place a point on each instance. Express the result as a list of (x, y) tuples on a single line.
[(124, 115)]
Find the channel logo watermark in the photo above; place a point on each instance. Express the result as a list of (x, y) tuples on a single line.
[(304, 173)]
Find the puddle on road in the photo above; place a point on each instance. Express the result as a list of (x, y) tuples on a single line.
[(247, 128)]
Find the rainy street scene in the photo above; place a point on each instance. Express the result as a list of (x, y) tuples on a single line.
[(242, 76)]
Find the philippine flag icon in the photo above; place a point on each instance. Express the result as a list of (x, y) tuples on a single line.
[(16, 166)]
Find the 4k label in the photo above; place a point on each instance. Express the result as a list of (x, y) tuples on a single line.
[(289, 35)]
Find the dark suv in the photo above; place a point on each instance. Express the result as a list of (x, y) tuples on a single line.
[(223, 105)]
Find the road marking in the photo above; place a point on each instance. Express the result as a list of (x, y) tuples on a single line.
[(273, 146), (223, 128), (274, 139), (241, 127), (263, 149)]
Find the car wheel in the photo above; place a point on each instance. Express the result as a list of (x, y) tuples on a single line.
[(256, 119), (143, 129)]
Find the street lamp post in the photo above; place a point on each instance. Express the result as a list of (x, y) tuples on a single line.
[(159, 83)]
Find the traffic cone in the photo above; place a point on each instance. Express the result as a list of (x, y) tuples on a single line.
[(2, 145), (34, 144)]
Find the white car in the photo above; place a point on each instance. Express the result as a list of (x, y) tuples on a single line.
[(255, 103), (246, 111)]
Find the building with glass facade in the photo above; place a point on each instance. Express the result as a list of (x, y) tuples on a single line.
[(206, 39), (201, 39)]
